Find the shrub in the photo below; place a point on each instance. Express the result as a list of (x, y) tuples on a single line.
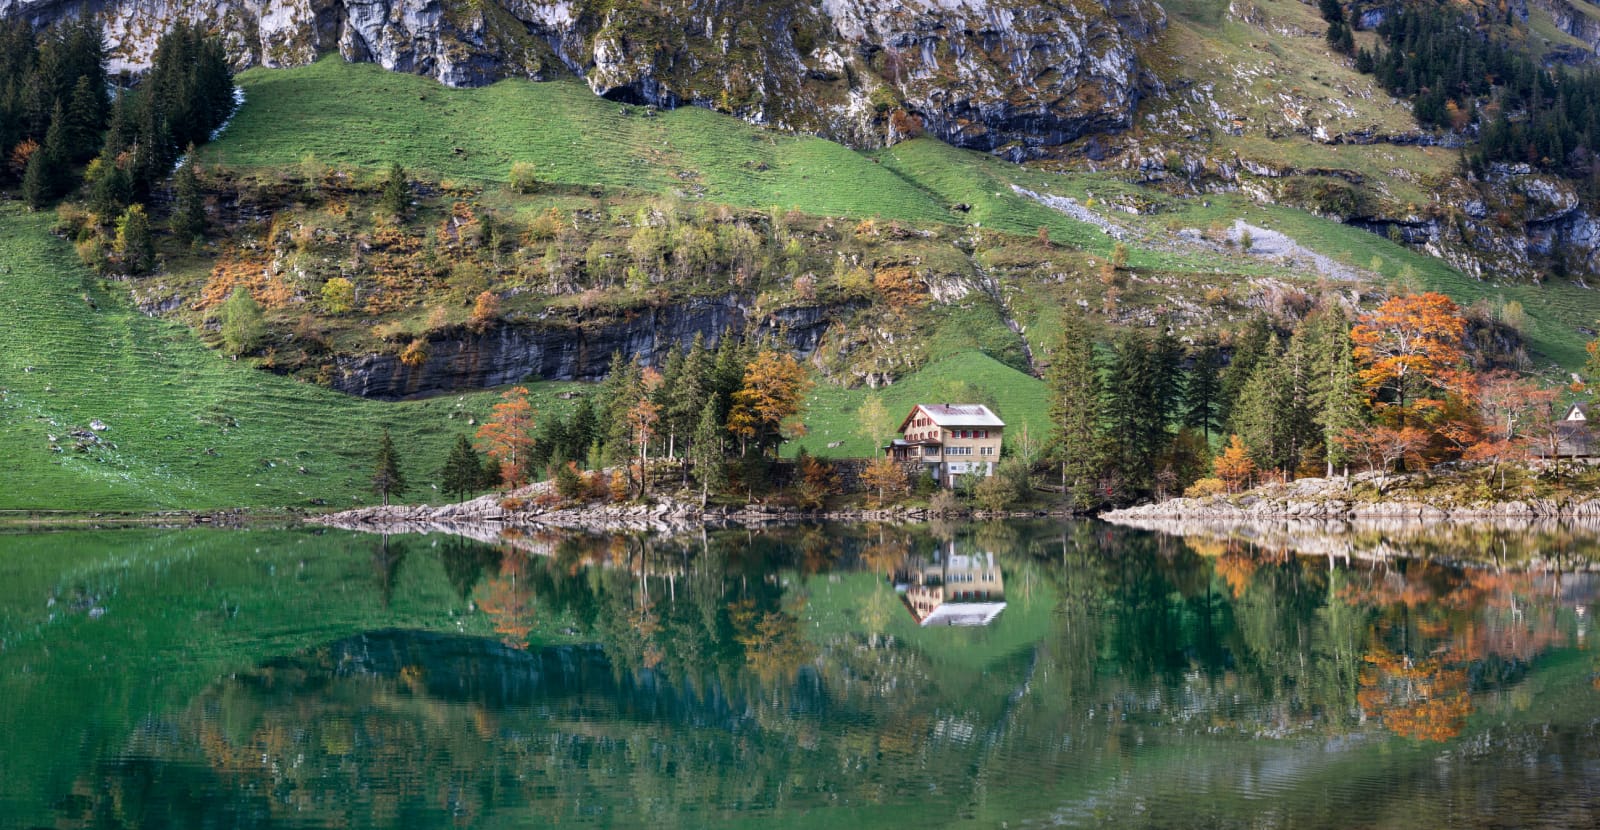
[(338, 295), (415, 353), (944, 503), (1205, 487), (523, 179), (244, 328)]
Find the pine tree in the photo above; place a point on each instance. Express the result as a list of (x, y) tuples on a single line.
[(1074, 384), (136, 251), (1261, 416), (1339, 404), (396, 192), (1135, 412), (1202, 392), (48, 172), (189, 211), (1248, 346), (582, 430), (706, 454), (463, 469), (85, 120), (691, 393), (387, 479), (110, 190), (38, 181)]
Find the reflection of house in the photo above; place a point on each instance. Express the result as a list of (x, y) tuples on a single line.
[(952, 588), (950, 440), (1574, 437)]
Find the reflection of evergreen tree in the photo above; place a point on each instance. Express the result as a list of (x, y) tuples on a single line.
[(387, 555), (465, 562)]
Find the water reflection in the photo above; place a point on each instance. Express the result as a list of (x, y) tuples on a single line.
[(950, 588), (812, 673)]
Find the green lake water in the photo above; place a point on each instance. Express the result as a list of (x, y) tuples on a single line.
[(993, 675)]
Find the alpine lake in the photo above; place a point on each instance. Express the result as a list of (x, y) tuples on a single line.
[(998, 675)]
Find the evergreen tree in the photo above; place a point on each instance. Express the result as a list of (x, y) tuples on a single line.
[(706, 454), (387, 479), (463, 469), (1248, 346), (1074, 384), (396, 192), (1338, 401), (1135, 412), (691, 393), (38, 181), (136, 251), (1259, 416), (48, 173), (244, 327), (581, 431), (110, 189), (85, 120), (188, 221), (1202, 393)]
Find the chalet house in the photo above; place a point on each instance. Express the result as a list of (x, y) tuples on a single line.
[(950, 440), (1575, 437)]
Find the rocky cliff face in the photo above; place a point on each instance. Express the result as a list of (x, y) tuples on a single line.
[(513, 353), (1573, 21), (1013, 76)]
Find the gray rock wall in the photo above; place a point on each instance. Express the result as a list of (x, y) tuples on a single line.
[(577, 351), (1011, 76)]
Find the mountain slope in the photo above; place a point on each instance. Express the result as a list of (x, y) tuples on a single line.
[(991, 74)]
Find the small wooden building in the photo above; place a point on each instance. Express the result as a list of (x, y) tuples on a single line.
[(950, 440), (1575, 438)]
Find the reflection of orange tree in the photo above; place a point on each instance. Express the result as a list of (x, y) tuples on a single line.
[(508, 600), (774, 645), (1420, 698), (1237, 563)]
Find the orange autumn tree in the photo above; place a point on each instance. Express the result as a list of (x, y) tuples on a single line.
[(507, 437), (1234, 466), (1409, 351), (766, 409)]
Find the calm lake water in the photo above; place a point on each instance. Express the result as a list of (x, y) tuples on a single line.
[(1001, 675)]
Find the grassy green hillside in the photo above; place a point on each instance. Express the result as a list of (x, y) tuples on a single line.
[(187, 427)]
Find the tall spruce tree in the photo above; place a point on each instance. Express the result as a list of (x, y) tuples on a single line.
[(1202, 391), (1074, 385), (188, 221), (462, 471), (1135, 412), (1259, 416), (387, 478), (136, 250), (1248, 345), (1339, 403), (707, 455)]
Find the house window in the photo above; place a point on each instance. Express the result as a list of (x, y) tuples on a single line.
[(986, 450)]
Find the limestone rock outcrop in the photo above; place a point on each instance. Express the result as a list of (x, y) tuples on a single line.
[(1016, 77)]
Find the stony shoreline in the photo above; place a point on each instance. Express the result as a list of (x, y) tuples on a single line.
[(1364, 497), (663, 514)]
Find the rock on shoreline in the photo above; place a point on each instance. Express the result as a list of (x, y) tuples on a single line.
[(486, 515), (1337, 499)]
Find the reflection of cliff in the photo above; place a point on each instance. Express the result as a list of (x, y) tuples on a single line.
[(948, 588)]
